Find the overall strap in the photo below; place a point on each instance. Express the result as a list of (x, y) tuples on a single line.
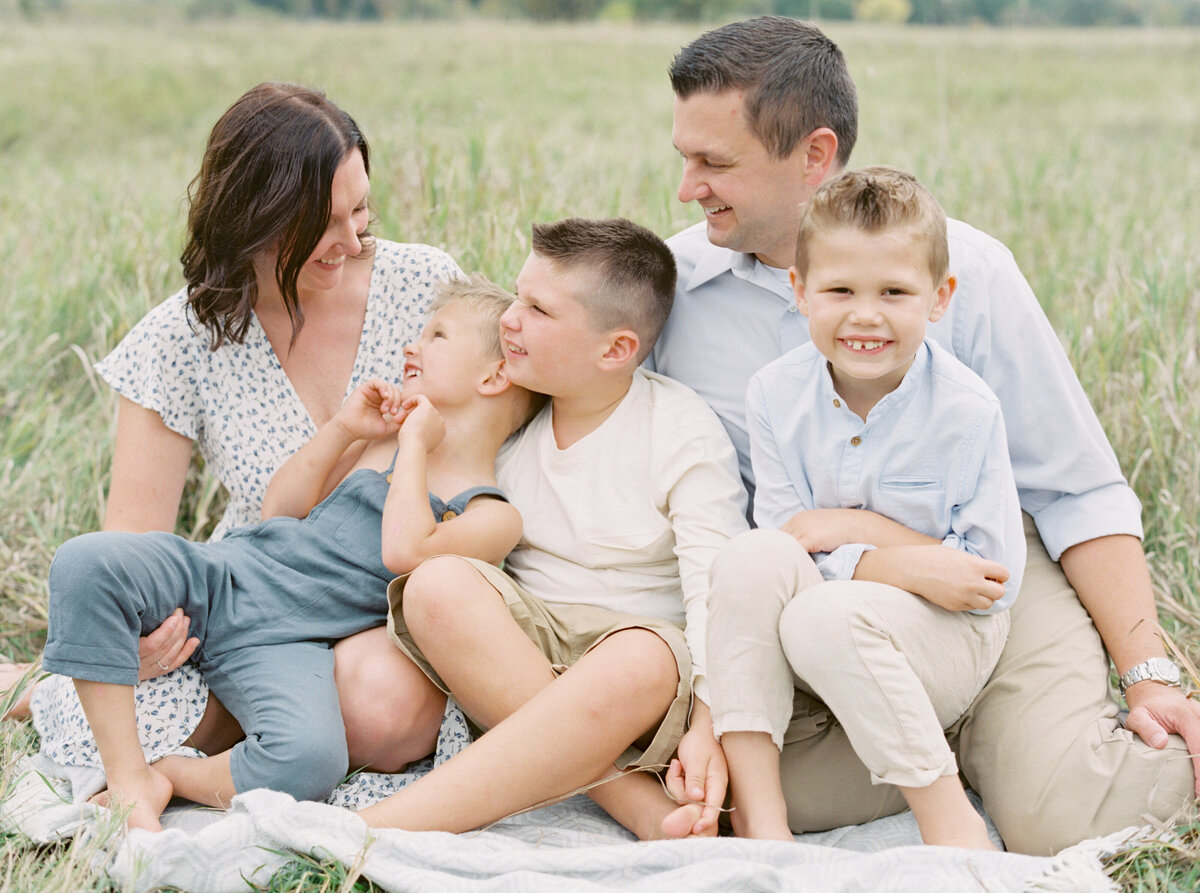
[(444, 511)]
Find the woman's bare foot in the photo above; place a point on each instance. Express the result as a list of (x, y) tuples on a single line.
[(145, 795), (12, 676)]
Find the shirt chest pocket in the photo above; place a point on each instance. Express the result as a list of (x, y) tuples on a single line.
[(917, 501), (911, 483), (646, 543)]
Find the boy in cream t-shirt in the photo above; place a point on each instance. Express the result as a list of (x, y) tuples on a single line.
[(586, 652)]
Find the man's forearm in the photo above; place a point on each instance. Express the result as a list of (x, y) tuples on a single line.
[(1113, 583)]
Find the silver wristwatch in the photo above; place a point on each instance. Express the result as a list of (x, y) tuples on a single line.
[(1157, 669)]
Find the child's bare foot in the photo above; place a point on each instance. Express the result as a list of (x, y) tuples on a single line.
[(758, 827), (12, 676), (144, 795), (970, 834), (681, 821), (945, 815)]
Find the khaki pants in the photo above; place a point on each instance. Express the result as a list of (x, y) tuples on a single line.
[(564, 633), (1040, 743)]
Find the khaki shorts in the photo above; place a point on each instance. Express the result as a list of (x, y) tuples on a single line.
[(564, 633)]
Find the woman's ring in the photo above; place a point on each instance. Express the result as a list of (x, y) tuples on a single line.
[(161, 665)]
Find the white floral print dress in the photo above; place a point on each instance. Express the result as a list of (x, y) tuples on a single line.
[(246, 419)]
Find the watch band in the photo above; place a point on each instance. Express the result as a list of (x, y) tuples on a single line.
[(1156, 669)]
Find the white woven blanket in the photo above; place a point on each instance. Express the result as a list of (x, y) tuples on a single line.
[(571, 846)]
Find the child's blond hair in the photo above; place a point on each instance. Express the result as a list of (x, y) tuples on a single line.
[(487, 303), (874, 199)]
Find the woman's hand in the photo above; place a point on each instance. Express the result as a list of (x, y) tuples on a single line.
[(167, 648)]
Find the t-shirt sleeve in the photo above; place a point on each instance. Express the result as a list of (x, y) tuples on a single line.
[(707, 508), (159, 365)]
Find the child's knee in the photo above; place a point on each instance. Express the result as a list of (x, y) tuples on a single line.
[(752, 549), (762, 564), (644, 666), (811, 621), (307, 766), (78, 565), (439, 591)]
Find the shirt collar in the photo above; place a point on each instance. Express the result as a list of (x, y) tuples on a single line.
[(900, 396), (714, 261)]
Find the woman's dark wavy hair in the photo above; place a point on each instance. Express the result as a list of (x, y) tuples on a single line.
[(265, 184)]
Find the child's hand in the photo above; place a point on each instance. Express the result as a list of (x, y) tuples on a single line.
[(422, 421), (958, 581), (823, 530), (372, 411)]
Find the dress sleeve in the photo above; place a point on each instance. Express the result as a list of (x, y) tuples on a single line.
[(158, 366)]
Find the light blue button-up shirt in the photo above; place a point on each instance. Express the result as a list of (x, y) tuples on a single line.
[(932, 455), (733, 315)]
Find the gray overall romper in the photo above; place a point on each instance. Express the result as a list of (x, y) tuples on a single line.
[(267, 603)]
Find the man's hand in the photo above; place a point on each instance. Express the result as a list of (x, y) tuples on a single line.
[(1156, 710), (167, 648)]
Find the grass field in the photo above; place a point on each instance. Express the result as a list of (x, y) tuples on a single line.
[(1080, 150)]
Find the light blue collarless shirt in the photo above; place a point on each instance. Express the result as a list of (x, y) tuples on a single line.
[(931, 455), (732, 316)]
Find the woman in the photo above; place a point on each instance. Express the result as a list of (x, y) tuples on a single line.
[(290, 304)]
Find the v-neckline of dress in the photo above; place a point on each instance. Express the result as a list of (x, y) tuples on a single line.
[(263, 343)]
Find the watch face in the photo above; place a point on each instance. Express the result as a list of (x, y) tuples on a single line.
[(1165, 669)]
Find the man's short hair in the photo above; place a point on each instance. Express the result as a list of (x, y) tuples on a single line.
[(794, 77), (632, 269), (874, 199)]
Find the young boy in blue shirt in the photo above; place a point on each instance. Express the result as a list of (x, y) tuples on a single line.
[(884, 459)]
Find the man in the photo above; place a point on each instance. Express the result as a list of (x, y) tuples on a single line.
[(765, 110)]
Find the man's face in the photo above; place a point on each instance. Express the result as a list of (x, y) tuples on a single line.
[(751, 201)]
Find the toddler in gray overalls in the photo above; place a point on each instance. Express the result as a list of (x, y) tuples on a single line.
[(267, 603)]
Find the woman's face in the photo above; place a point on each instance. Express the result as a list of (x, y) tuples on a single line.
[(348, 218)]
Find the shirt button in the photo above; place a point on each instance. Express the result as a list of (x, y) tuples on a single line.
[(448, 514), (855, 440), (837, 404)]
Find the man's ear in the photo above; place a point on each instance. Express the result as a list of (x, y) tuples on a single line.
[(798, 290), (623, 347), (496, 381), (941, 301), (820, 155)]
